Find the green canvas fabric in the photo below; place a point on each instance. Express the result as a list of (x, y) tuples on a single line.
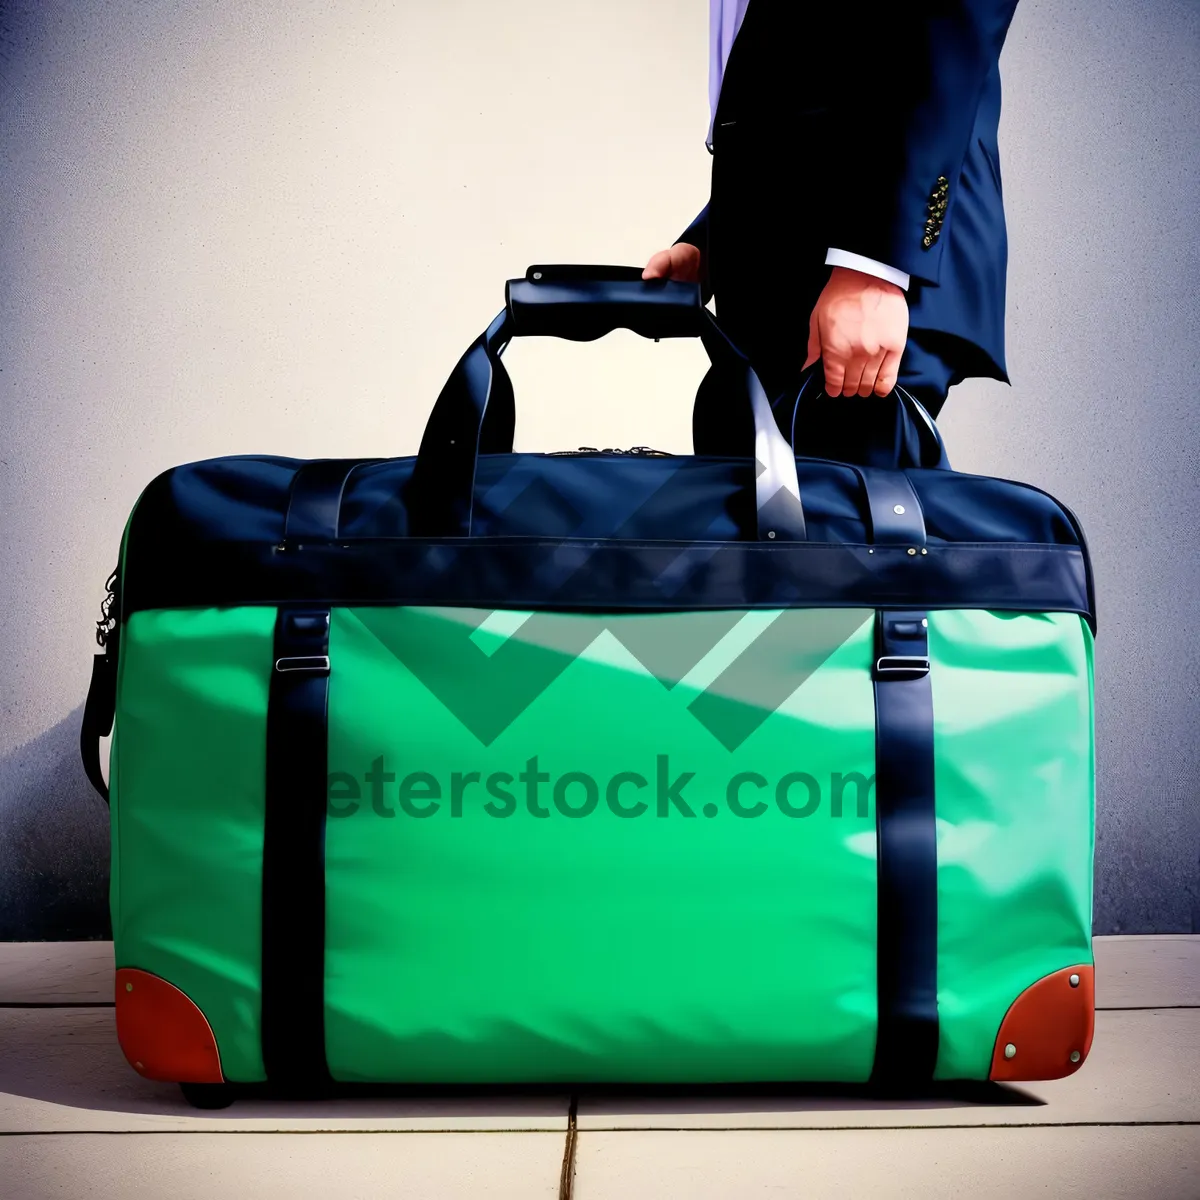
[(724, 931)]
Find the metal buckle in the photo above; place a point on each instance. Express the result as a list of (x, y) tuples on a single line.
[(314, 663), (901, 666)]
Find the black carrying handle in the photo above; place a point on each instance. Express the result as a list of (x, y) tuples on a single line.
[(583, 303), (921, 440)]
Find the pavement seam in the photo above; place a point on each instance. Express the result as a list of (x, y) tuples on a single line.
[(566, 1178)]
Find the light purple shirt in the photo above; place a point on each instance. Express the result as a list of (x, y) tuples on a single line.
[(724, 21)]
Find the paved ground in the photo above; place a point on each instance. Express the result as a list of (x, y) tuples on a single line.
[(75, 1120)]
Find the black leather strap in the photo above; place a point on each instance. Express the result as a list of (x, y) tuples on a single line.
[(315, 499), (603, 574), (293, 895), (907, 1046), (98, 714), (895, 511)]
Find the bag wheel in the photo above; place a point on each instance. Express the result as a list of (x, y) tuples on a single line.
[(207, 1095)]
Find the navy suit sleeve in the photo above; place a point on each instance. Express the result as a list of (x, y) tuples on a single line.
[(899, 140), (696, 234)]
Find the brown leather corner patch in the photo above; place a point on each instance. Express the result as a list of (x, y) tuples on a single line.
[(162, 1033), (1047, 1032)]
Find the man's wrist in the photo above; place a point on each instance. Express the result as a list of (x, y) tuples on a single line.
[(868, 266)]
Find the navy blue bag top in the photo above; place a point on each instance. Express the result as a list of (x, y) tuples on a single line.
[(743, 522)]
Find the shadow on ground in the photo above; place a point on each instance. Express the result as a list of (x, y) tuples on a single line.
[(72, 1058), (54, 842)]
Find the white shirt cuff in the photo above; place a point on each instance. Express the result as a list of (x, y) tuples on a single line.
[(868, 266)]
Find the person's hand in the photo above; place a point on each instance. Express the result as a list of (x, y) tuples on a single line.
[(682, 262), (858, 329)]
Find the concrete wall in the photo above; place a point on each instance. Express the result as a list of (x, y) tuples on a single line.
[(232, 226)]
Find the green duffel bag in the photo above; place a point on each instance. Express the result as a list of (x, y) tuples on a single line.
[(483, 767)]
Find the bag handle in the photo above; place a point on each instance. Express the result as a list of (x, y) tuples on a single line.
[(583, 303), (921, 440), (100, 707)]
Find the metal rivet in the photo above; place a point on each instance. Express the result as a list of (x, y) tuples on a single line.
[(1074, 1055), (897, 508), (911, 550), (924, 623), (537, 274), (1074, 981), (129, 987), (870, 551), (1010, 1051), (923, 550), (771, 533)]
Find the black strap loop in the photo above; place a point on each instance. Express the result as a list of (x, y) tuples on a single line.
[(315, 499), (894, 510)]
